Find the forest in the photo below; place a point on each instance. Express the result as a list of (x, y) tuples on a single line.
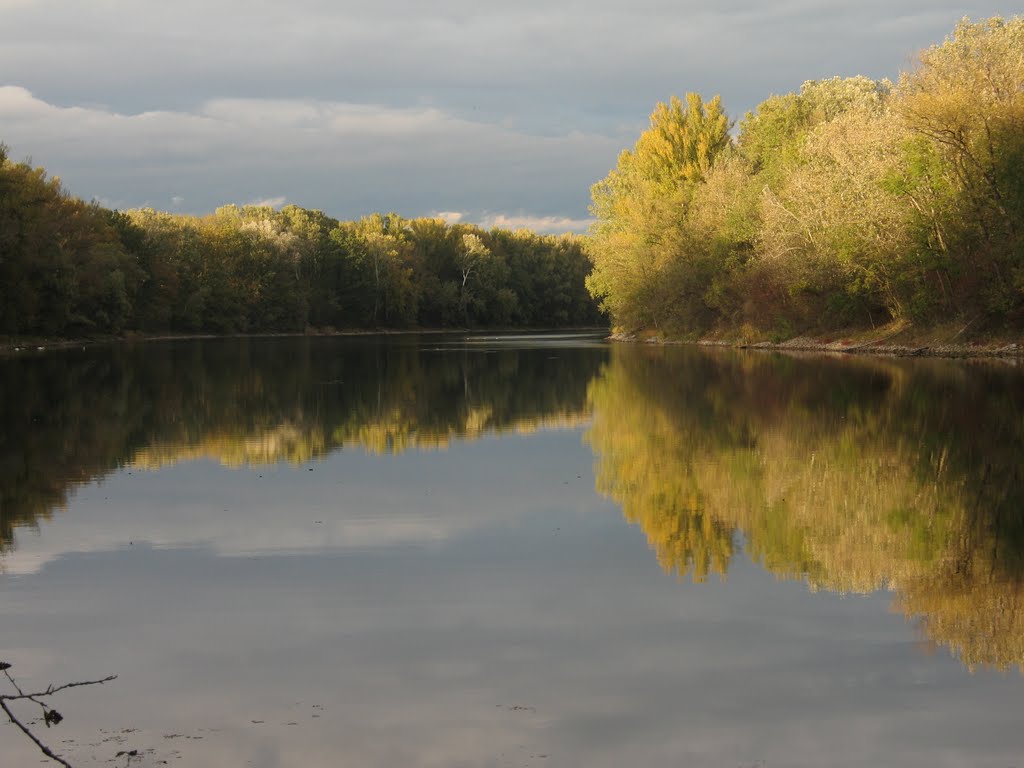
[(852, 203), (75, 269)]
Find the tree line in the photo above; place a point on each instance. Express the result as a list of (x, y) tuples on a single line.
[(70, 268), (852, 202)]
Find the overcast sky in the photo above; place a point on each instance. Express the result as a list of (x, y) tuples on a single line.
[(493, 113)]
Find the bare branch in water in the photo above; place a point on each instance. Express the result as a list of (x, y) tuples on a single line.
[(51, 717)]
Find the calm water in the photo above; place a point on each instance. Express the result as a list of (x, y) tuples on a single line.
[(513, 551)]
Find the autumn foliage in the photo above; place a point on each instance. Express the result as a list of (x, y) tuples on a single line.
[(851, 203)]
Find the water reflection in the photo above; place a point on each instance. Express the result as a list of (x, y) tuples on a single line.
[(480, 605), (73, 417), (856, 475)]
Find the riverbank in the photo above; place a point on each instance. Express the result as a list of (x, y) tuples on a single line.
[(904, 341), (950, 340), (16, 345)]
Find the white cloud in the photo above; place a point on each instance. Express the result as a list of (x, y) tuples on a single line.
[(491, 220), (552, 224), (269, 202)]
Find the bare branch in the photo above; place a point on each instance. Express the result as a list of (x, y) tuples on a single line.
[(24, 729), (58, 688), (50, 716)]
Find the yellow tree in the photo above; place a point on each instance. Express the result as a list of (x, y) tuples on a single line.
[(966, 97), (837, 225), (639, 246)]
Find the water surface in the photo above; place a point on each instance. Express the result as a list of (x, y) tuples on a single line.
[(513, 551)]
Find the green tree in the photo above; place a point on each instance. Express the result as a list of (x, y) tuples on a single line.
[(63, 267), (390, 259), (437, 245), (772, 135), (470, 256)]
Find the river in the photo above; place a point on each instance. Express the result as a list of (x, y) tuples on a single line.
[(512, 550)]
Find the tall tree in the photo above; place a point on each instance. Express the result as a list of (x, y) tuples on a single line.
[(966, 97), (643, 264)]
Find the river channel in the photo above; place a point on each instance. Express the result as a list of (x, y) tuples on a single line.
[(512, 550)]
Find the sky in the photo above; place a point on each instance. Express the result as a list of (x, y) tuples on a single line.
[(496, 114)]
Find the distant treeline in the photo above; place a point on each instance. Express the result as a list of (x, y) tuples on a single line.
[(850, 203), (69, 268)]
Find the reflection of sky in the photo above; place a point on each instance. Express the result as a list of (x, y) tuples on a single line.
[(474, 607)]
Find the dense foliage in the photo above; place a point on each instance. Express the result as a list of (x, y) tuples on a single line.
[(68, 268), (850, 203)]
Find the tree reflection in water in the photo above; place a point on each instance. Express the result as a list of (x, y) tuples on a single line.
[(853, 474), (73, 417)]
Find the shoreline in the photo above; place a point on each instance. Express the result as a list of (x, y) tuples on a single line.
[(902, 342), (17, 345)]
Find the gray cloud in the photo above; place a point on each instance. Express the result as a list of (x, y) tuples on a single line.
[(512, 110), (350, 159)]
